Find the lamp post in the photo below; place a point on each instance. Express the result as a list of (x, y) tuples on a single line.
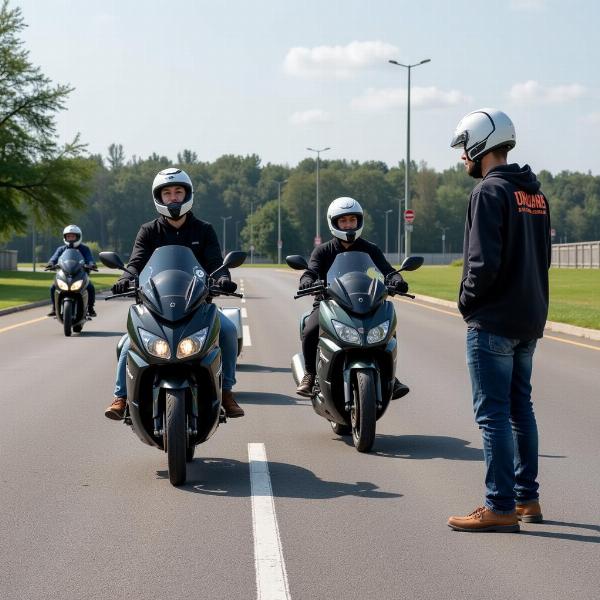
[(444, 229), (237, 234), (407, 235), (251, 233), (318, 228), (387, 212), (279, 240), (225, 219)]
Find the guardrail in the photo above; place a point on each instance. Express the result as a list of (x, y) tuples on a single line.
[(580, 255)]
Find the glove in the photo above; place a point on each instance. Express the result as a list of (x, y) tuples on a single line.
[(49, 266), (120, 287), (399, 284), (306, 284), (227, 285)]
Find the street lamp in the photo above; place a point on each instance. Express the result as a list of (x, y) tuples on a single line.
[(407, 236), (318, 228), (279, 241), (387, 212), (237, 234), (444, 229), (225, 219)]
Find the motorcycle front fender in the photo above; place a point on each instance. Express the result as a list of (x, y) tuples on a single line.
[(348, 377)]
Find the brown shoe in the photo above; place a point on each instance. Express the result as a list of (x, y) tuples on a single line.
[(484, 519), (116, 411), (232, 408), (530, 513), (306, 385)]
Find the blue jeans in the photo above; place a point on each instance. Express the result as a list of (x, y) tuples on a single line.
[(227, 343), (500, 370)]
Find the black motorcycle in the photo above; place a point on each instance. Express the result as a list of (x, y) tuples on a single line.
[(71, 294), (356, 357), (174, 374)]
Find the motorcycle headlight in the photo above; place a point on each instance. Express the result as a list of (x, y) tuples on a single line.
[(192, 344), (63, 285), (155, 345), (346, 333), (379, 333), (75, 286)]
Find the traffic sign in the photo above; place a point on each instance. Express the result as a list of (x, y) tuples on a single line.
[(409, 215), (279, 244), (553, 232), (408, 227), (317, 240)]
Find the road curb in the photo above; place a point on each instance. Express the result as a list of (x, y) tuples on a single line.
[(553, 326), (14, 309)]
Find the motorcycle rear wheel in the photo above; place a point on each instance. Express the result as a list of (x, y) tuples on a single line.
[(363, 414), (67, 316), (176, 435)]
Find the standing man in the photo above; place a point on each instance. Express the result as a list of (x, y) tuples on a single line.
[(173, 196), (504, 301)]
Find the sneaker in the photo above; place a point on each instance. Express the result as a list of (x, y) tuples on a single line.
[(116, 411), (52, 313), (306, 385), (484, 519), (92, 312), (530, 513), (232, 408), (400, 390)]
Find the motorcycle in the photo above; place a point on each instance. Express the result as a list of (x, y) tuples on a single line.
[(71, 294), (356, 356), (174, 375)]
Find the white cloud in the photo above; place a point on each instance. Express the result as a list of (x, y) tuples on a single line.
[(306, 117), (533, 92), (340, 62), (528, 4), (420, 97)]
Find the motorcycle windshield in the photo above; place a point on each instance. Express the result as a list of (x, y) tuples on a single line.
[(355, 282), (172, 282), (71, 261)]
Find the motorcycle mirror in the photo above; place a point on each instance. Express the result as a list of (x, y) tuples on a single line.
[(112, 260), (234, 259), (297, 262), (411, 263)]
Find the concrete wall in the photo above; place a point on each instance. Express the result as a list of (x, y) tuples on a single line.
[(8, 260)]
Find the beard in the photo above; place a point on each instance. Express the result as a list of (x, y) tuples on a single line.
[(474, 169)]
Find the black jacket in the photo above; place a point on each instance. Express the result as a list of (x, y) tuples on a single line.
[(194, 233), (507, 254), (322, 258)]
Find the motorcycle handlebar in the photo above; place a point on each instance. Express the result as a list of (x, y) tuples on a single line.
[(315, 289), (130, 293), (217, 291)]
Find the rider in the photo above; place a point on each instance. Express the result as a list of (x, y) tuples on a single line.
[(345, 220), (173, 196), (72, 239)]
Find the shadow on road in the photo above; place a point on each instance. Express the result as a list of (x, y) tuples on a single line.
[(269, 398), (250, 368), (594, 539), (103, 334), (225, 477), (422, 447)]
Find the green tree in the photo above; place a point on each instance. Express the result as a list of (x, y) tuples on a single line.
[(37, 175)]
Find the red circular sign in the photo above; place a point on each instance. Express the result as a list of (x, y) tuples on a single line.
[(409, 215)]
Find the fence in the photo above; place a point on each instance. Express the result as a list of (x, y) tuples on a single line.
[(8, 260), (581, 255)]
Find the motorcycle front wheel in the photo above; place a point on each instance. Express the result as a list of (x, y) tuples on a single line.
[(363, 414), (67, 316), (176, 435)]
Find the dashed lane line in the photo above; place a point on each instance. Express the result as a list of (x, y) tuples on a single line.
[(247, 338), (271, 575)]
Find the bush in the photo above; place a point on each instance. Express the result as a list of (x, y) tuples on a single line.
[(457, 263)]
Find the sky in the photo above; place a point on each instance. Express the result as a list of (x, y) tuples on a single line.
[(273, 77)]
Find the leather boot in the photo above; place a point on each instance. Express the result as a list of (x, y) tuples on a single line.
[(306, 385), (116, 411), (400, 390), (484, 519), (232, 408), (530, 513)]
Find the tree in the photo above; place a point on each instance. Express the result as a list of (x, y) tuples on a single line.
[(37, 176)]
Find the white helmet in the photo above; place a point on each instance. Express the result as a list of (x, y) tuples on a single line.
[(484, 130), (173, 176), (72, 229), (345, 206)]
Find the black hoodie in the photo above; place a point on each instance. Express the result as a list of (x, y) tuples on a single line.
[(507, 253)]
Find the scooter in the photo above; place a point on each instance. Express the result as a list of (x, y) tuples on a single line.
[(174, 374), (356, 356), (71, 294)]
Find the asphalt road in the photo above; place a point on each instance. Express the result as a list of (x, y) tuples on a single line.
[(87, 511)]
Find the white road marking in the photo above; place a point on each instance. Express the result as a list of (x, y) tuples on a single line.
[(23, 323), (247, 338), (243, 300), (271, 575), (244, 313)]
